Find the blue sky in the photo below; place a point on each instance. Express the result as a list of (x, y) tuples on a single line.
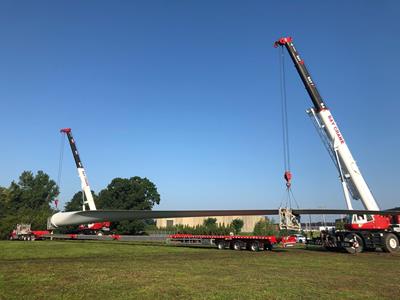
[(186, 93)]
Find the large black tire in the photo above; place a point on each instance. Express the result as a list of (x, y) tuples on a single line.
[(390, 243), (237, 246), (357, 243), (254, 246), (221, 245)]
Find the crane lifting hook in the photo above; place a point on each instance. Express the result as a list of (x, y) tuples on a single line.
[(288, 178)]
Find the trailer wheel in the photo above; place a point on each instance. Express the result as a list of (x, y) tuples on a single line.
[(254, 246), (268, 247), (356, 243), (221, 245), (390, 243), (237, 246)]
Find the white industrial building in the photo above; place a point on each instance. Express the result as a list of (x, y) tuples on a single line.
[(248, 221)]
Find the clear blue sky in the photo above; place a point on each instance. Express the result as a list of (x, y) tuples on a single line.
[(186, 93)]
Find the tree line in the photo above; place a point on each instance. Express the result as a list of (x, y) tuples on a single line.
[(29, 200), (211, 227)]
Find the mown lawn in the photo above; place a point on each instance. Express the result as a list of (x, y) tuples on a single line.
[(122, 270)]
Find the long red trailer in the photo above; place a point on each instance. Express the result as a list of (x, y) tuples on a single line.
[(236, 242)]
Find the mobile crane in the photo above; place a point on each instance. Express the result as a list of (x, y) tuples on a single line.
[(88, 201), (362, 231)]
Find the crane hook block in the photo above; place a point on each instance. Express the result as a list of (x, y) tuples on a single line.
[(288, 178)]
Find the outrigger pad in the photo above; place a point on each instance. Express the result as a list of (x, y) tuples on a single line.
[(287, 220)]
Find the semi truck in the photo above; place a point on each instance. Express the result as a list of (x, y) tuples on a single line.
[(23, 232), (362, 231)]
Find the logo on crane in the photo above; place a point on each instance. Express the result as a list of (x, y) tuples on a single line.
[(336, 129)]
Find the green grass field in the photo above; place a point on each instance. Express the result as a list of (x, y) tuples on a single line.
[(121, 270)]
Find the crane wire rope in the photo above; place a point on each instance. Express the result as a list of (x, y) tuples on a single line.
[(285, 133), (285, 127), (60, 162)]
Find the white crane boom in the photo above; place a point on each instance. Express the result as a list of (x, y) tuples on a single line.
[(88, 199)]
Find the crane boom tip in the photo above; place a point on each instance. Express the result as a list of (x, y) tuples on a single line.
[(282, 41), (65, 130)]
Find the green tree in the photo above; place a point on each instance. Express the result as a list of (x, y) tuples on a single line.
[(265, 227), (135, 193), (237, 225), (27, 201), (75, 203), (32, 191), (3, 202), (210, 222)]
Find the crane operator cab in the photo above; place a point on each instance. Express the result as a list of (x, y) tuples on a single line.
[(367, 222)]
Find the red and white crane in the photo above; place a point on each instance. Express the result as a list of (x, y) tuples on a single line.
[(366, 230), (353, 182), (88, 201)]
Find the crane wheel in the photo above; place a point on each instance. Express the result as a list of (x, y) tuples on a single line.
[(356, 243), (391, 243)]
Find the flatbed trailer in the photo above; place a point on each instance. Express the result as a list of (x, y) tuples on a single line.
[(235, 242), (75, 236)]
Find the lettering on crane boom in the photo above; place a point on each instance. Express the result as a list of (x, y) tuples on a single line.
[(336, 129), (84, 176)]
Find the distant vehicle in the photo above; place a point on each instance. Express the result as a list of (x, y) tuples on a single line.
[(299, 238), (23, 232)]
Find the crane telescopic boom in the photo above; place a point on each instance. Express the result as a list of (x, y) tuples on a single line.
[(81, 172), (350, 175)]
